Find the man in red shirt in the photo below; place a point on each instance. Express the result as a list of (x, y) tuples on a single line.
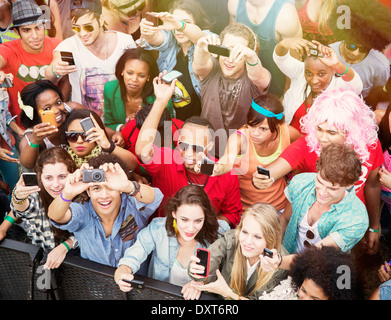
[(173, 169), (24, 60)]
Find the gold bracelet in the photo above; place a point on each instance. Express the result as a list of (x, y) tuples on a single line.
[(16, 200)]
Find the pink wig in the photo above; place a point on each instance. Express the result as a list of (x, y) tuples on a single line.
[(347, 112)]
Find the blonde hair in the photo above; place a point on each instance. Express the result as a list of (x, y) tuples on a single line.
[(325, 11), (267, 216)]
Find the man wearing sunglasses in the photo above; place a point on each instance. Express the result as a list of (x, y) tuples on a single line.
[(24, 60), (173, 169), (95, 53), (363, 43), (324, 209)]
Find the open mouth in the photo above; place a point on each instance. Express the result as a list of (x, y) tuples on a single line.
[(105, 204)]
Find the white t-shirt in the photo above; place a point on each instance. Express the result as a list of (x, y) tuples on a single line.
[(301, 236), (92, 73)]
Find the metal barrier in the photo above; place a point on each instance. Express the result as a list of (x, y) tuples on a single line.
[(22, 277)]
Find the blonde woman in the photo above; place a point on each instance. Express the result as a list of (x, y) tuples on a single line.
[(237, 257)]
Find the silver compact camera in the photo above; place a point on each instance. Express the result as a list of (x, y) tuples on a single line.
[(93, 175)]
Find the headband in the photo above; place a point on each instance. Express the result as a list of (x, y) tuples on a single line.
[(266, 112)]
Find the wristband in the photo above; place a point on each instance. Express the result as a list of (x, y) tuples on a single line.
[(183, 26), (252, 65), (9, 219), (66, 245), (340, 75), (373, 230), (63, 199), (32, 145), (111, 148), (56, 75)]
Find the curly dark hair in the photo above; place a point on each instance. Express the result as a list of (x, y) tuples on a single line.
[(370, 24), (321, 266)]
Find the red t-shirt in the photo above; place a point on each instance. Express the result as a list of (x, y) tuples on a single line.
[(300, 112), (299, 157), (169, 175), (26, 67)]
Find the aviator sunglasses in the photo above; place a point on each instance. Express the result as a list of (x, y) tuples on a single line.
[(183, 146), (73, 136), (132, 12), (86, 27)]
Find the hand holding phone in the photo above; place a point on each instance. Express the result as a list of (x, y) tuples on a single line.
[(267, 253), (151, 18), (207, 166), (204, 256), (138, 284), (263, 171), (169, 77), (67, 57), (49, 116), (87, 124), (219, 50), (30, 179)]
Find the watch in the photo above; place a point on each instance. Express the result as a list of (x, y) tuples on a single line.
[(136, 188)]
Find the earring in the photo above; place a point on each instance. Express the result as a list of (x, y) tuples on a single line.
[(175, 226)]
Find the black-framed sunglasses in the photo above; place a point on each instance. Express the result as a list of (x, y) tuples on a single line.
[(353, 47), (86, 27), (132, 12), (310, 236), (183, 146), (73, 136)]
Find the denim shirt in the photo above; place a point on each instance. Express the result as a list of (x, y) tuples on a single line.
[(87, 227), (154, 238), (168, 52), (5, 118)]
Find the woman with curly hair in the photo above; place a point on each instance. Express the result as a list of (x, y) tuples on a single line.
[(337, 116), (325, 273), (361, 45)]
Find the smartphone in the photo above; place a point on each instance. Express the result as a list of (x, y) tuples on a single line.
[(220, 50), (30, 179), (169, 77), (138, 284), (67, 57), (151, 18), (204, 256), (86, 124), (207, 166), (7, 83), (264, 171), (49, 116), (267, 253)]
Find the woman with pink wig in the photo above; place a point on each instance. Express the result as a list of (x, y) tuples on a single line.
[(337, 116)]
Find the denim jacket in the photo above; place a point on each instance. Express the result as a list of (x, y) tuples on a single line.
[(5, 118), (168, 52), (164, 249)]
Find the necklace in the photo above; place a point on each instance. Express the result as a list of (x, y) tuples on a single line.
[(191, 183)]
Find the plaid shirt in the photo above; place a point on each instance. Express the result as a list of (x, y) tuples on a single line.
[(37, 222)]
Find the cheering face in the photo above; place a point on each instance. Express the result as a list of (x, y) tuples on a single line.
[(104, 200), (327, 193), (49, 99), (230, 68), (53, 178), (251, 239), (88, 29), (190, 220), (328, 134)]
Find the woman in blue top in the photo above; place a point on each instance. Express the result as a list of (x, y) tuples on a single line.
[(175, 41), (190, 223)]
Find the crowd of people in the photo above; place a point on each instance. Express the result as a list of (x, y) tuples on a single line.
[(258, 130)]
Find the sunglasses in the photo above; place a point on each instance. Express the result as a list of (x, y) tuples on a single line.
[(353, 47), (86, 27), (183, 146), (73, 136), (132, 12), (310, 236)]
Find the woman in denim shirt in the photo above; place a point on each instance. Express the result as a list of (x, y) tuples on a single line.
[(190, 223), (175, 42)]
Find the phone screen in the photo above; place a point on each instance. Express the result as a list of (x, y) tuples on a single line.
[(30, 179), (68, 57), (203, 255)]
